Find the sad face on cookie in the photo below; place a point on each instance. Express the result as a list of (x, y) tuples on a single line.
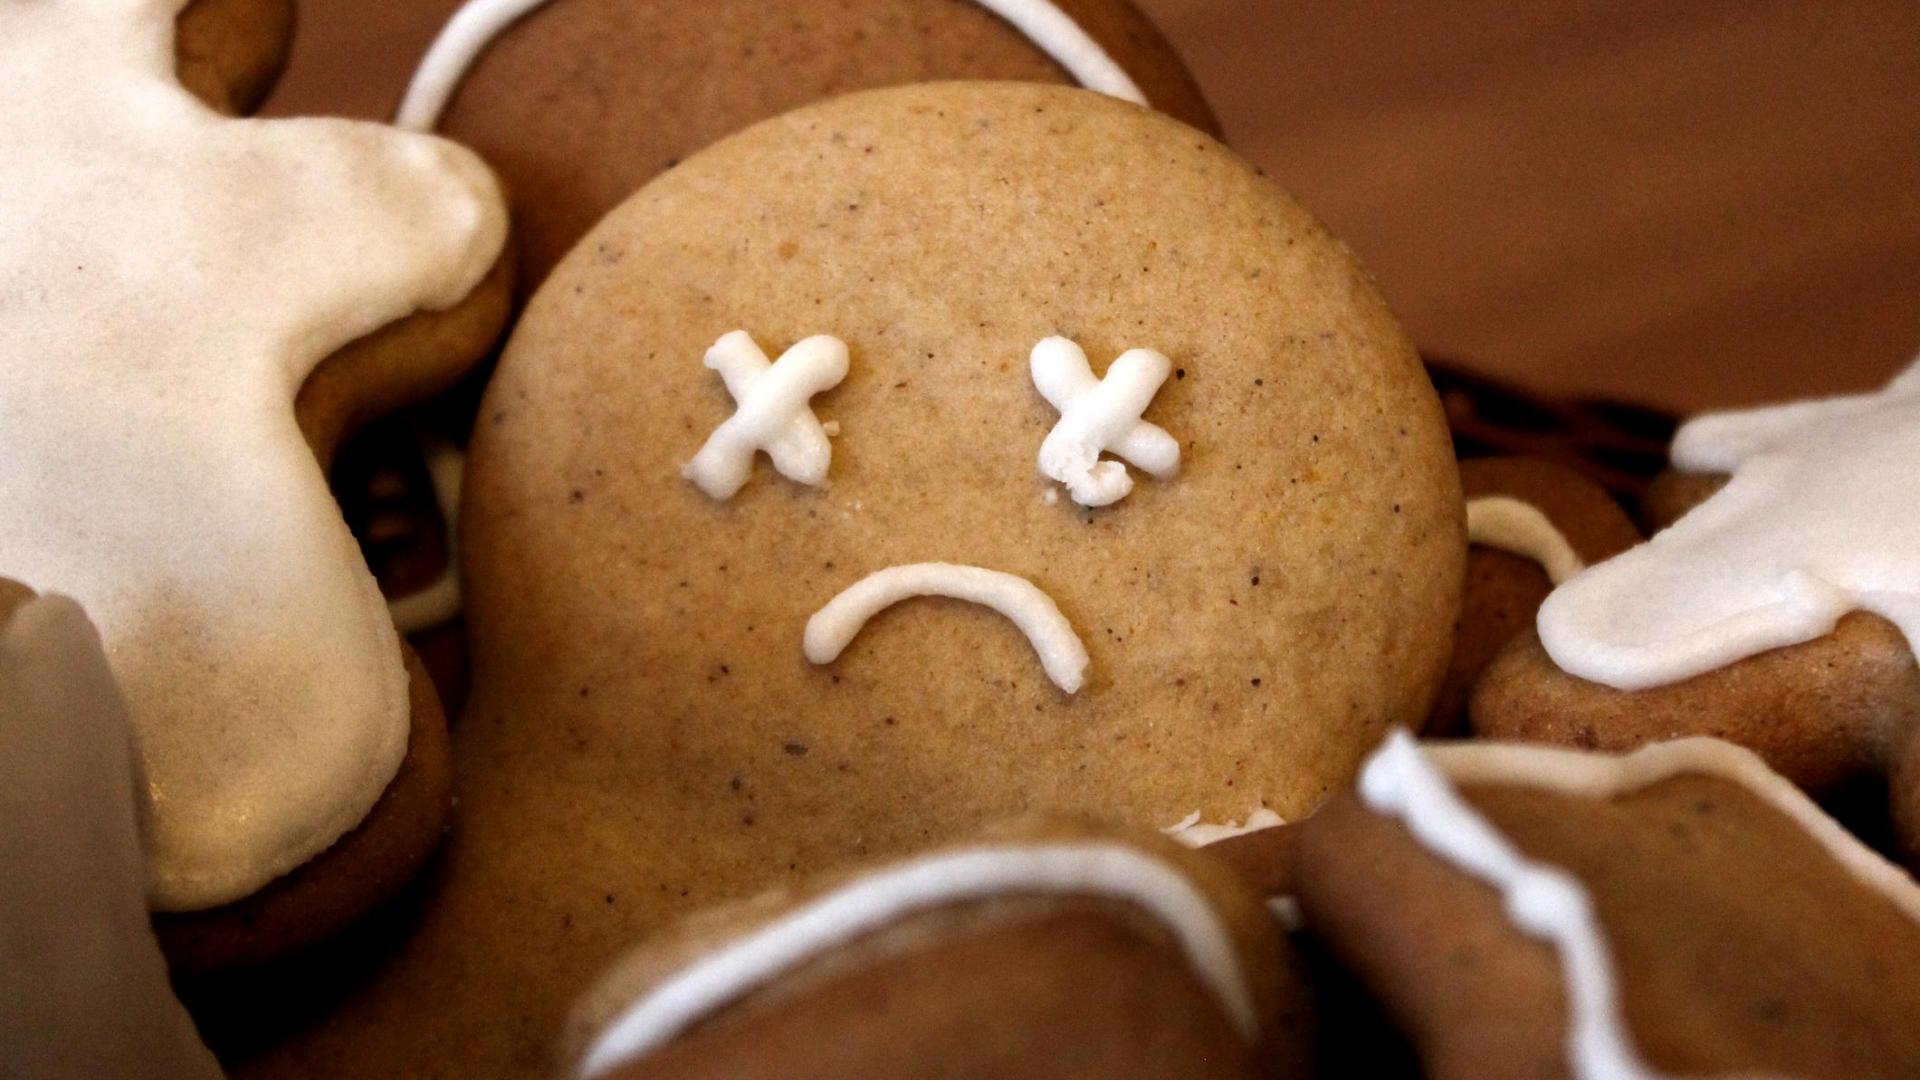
[(1050, 458)]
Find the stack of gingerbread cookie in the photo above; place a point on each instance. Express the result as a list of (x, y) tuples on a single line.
[(898, 464)]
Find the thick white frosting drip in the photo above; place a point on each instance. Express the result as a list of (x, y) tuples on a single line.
[(941, 880), (168, 279), (833, 627), (479, 22), (1819, 519), (1417, 786)]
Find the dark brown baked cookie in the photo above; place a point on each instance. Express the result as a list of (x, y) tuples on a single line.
[(1742, 931), (1085, 954), (1528, 520), (581, 102)]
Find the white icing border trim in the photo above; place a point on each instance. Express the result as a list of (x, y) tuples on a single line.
[(471, 29), (871, 903), (1520, 528), (833, 627), (1416, 786)]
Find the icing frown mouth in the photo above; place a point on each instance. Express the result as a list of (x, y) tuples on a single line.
[(833, 627)]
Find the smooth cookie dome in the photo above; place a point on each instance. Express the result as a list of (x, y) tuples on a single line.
[(1254, 623)]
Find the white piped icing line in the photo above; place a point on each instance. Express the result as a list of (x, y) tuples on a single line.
[(1507, 524), (169, 277), (479, 22), (873, 902), (1819, 519), (773, 413), (1416, 785), (833, 627), (1101, 416), (1194, 832)]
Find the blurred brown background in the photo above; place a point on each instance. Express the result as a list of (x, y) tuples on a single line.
[(1692, 204)]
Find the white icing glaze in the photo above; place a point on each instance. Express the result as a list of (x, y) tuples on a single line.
[(773, 413), (1416, 785), (834, 626), (83, 989), (438, 603), (1101, 415), (930, 882), (1519, 528), (168, 279), (478, 22), (1818, 520), (1194, 832)]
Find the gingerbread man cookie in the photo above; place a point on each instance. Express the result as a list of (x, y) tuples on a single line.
[(1086, 954), (580, 102), (1779, 613), (1525, 911), (681, 699), (194, 309)]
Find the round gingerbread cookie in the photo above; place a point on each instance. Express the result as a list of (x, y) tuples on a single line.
[(648, 734), (1087, 953), (193, 309), (580, 102)]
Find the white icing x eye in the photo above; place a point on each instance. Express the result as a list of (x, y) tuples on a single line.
[(1101, 415), (773, 414)]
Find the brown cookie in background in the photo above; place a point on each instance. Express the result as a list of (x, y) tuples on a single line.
[(637, 748), (1745, 931), (1507, 580), (228, 52), (581, 102), (1621, 446), (1085, 953)]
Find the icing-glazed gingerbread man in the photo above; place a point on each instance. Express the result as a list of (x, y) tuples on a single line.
[(1780, 613), (170, 281)]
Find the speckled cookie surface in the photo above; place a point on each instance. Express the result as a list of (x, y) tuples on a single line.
[(645, 735), (583, 101)]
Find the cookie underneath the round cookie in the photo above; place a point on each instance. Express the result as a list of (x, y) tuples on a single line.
[(231, 51), (582, 102)]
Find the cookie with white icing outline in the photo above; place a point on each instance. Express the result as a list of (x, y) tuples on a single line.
[(1531, 524), (1682, 911), (581, 102), (1770, 613), (215, 303), (1086, 953)]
